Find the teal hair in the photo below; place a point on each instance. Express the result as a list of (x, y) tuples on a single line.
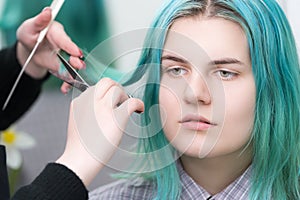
[(275, 65), (276, 133)]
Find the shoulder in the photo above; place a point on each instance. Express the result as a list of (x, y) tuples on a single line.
[(125, 189)]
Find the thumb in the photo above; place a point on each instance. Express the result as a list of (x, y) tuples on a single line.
[(42, 20)]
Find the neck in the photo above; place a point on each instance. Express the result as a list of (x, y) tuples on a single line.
[(214, 174)]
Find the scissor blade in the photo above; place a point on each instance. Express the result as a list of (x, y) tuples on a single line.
[(71, 70), (80, 86), (75, 83)]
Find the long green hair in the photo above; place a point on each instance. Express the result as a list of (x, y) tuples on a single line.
[(275, 65)]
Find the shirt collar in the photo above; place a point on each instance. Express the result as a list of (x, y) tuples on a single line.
[(237, 190)]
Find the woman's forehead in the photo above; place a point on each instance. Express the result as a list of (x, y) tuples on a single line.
[(198, 37)]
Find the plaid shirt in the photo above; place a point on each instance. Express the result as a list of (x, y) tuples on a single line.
[(141, 189)]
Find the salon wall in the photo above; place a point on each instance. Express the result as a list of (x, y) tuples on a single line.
[(126, 17), (292, 10)]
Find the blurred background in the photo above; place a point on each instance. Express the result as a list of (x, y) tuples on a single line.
[(88, 23)]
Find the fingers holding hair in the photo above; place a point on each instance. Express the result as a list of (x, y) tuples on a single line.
[(114, 96)]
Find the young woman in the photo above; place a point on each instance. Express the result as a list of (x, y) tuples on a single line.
[(228, 105)]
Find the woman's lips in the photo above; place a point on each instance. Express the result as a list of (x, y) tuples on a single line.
[(196, 123)]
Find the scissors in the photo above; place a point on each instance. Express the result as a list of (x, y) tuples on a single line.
[(75, 80)]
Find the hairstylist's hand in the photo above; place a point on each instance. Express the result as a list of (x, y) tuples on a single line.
[(97, 120), (45, 58)]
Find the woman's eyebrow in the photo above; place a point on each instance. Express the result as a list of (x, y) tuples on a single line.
[(174, 58), (224, 61)]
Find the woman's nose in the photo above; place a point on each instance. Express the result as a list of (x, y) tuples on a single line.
[(197, 90)]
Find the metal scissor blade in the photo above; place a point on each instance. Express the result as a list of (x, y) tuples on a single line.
[(73, 82), (72, 71), (80, 86)]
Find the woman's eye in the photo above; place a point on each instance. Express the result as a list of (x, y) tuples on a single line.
[(176, 71), (226, 75)]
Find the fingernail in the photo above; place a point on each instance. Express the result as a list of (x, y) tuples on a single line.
[(81, 56), (46, 8)]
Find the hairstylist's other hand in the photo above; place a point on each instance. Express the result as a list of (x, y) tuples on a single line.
[(97, 120), (45, 58)]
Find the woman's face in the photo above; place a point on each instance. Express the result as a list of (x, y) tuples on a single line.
[(207, 92)]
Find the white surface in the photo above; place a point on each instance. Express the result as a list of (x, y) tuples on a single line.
[(131, 14), (293, 14), (127, 16)]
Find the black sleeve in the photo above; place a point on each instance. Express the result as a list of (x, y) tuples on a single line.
[(55, 182), (4, 190), (26, 91)]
